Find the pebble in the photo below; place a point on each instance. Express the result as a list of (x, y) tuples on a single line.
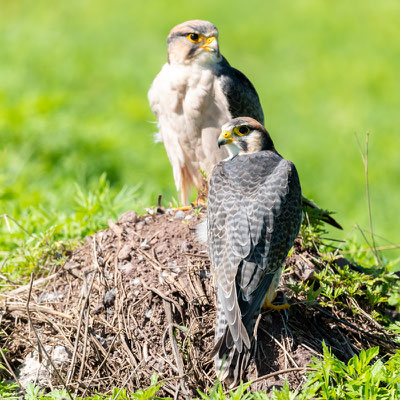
[(31, 370), (139, 226), (109, 298), (49, 297), (135, 282), (144, 245), (161, 277), (126, 268), (179, 215), (125, 252), (128, 217)]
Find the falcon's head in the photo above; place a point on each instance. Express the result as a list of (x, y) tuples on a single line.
[(193, 41), (245, 135)]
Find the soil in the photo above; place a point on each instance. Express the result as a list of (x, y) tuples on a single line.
[(138, 298)]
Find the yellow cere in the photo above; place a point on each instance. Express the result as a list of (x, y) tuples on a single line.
[(195, 37), (210, 39), (241, 130)]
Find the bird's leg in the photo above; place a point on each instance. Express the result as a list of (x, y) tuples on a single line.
[(184, 194), (201, 201), (202, 193), (277, 307), (184, 190)]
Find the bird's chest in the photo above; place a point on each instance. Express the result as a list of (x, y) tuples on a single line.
[(191, 98)]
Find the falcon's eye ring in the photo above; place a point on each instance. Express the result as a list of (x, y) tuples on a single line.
[(194, 37), (243, 130)]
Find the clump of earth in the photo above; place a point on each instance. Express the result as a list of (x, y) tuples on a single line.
[(137, 299)]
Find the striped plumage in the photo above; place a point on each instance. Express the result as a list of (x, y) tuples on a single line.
[(253, 216)]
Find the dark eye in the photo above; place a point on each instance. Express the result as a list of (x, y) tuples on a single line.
[(243, 130), (194, 37)]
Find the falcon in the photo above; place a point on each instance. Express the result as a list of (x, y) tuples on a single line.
[(254, 214), (194, 94)]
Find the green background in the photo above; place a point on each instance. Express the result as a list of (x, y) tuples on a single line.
[(74, 77)]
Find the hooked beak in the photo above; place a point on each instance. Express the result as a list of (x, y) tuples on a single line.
[(225, 137), (211, 44)]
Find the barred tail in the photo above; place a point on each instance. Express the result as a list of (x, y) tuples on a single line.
[(229, 363)]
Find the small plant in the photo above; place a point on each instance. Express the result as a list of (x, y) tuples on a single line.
[(36, 393), (359, 379), (7, 390), (217, 393)]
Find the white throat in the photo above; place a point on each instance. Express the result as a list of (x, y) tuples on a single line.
[(232, 150)]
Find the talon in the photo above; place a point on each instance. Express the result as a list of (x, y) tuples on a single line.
[(196, 204), (277, 307), (201, 200), (268, 303), (183, 208)]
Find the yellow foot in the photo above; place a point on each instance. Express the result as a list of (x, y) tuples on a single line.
[(268, 304), (201, 200), (190, 207), (183, 208)]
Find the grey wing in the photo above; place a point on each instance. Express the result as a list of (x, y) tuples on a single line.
[(243, 100), (274, 222), (254, 216)]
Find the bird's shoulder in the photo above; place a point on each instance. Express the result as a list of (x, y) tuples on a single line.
[(254, 175), (264, 162), (241, 95)]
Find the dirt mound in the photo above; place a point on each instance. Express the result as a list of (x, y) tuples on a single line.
[(138, 299)]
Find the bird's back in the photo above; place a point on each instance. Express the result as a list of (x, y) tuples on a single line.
[(254, 214)]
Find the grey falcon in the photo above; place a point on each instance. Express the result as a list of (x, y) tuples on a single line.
[(254, 214), (194, 94)]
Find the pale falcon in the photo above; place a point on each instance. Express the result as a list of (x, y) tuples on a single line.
[(194, 94), (253, 216)]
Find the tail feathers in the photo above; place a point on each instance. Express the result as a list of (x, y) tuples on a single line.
[(233, 356), (230, 364), (319, 213)]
